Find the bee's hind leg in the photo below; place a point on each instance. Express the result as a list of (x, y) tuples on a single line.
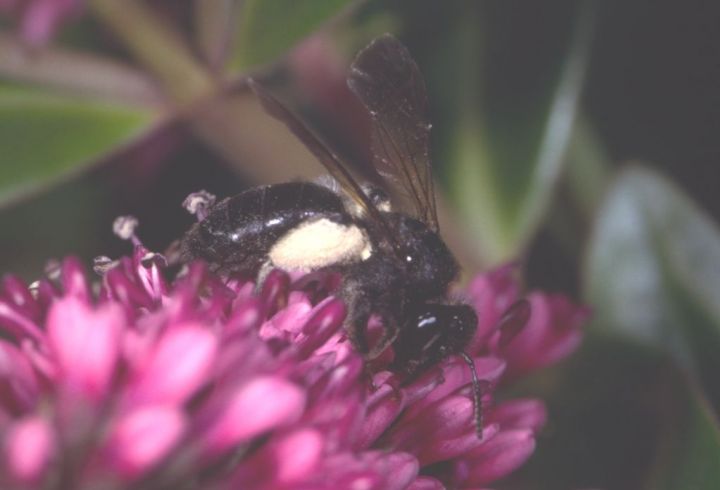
[(390, 333), (356, 326), (262, 274), (367, 290)]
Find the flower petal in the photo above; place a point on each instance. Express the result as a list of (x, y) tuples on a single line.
[(18, 384), (433, 451), (326, 319), (73, 280), (552, 333), (29, 445), (260, 405), (297, 456), (287, 322), (16, 291), (176, 367), (447, 418), (288, 461), (520, 414), (457, 374), (85, 344), (382, 410), (497, 457), (143, 437), (491, 294), (15, 323), (372, 470), (246, 317), (426, 483)]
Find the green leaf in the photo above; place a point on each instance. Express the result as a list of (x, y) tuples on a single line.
[(507, 155), (268, 28), (621, 415), (693, 456), (652, 273), (45, 137), (589, 174)]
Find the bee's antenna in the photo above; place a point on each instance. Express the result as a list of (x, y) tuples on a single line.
[(477, 395)]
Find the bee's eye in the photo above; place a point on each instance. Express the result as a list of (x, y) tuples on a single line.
[(426, 329), (434, 331)]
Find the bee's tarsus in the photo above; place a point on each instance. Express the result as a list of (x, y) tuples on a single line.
[(477, 395)]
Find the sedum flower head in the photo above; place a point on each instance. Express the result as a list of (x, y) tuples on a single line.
[(140, 383)]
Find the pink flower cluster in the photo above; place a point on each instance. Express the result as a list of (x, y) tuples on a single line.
[(137, 382), (39, 19)]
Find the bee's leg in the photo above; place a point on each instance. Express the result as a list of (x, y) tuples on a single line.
[(356, 324), (365, 290), (265, 269), (390, 333)]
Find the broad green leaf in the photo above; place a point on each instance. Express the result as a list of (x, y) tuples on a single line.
[(268, 28), (45, 137), (515, 122), (621, 415), (653, 272)]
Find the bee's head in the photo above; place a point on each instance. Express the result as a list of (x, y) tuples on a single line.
[(431, 333)]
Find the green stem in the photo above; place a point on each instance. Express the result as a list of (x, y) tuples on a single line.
[(160, 49)]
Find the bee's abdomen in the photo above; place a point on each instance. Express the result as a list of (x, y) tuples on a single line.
[(240, 231)]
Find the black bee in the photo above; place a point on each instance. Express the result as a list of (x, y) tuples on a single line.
[(393, 264)]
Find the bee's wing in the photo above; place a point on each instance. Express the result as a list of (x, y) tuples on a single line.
[(388, 82), (323, 153)]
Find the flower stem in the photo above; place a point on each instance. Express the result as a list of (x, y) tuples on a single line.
[(160, 49), (231, 122)]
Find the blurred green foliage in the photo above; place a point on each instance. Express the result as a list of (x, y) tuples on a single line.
[(508, 147), (624, 416), (268, 28), (46, 136), (652, 273)]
